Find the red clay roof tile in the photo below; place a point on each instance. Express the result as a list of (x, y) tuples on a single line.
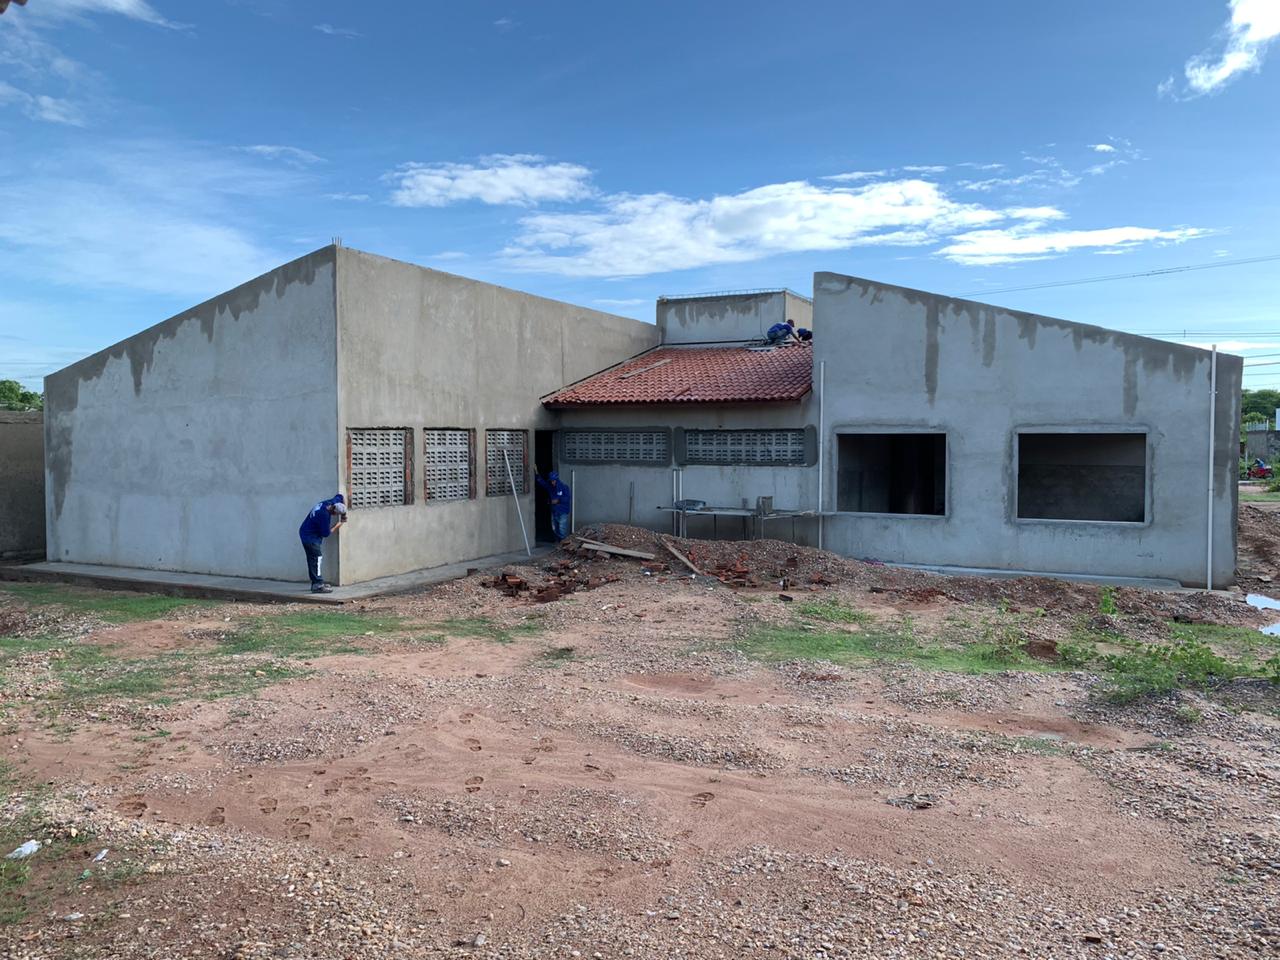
[(697, 375)]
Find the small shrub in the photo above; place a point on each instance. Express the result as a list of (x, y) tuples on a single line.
[(1077, 653), (1158, 669), (1188, 715), (1107, 602)]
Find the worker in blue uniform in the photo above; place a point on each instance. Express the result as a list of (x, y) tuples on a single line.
[(319, 523), (561, 498)]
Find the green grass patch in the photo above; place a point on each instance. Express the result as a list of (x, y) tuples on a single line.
[(888, 641), (167, 678), (485, 629), (111, 606), (1259, 497), (1186, 662), (311, 633), (832, 611)]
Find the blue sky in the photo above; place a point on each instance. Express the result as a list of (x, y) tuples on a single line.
[(157, 152)]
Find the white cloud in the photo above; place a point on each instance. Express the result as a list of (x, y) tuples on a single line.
[(855, 175), (134, 9), (1029, 242), (145, 216), (291, 155), (40, 106), (1242, 45), (353, 197), (652, 233), (1102, 148), (629, 302), (931, 168), (332, 31), (505, 23), (522, 179)]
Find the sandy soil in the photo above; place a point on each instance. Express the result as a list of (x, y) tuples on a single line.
[(625, 783)]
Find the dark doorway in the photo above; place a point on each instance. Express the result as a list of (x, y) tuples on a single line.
[(544, 459)]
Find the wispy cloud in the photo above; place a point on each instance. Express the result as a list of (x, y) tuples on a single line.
[(133, 9), (505, 24), (854, 176), (1241, 46), (927, 168), (148, 216), (41, 106), (1030, 241), (330, 30), (629, 302), (520, 179), (1102, 148), (294, 156), (352, 197)]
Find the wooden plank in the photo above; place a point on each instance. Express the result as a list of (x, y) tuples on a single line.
[(620, 551), (680, 556)]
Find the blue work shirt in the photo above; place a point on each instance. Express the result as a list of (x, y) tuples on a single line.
[(779, 330), (318, 523), (561, 496)]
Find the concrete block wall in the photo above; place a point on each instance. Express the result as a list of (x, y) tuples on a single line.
[(419, 348), (901, 360), (729, 318), (199, 444), (21, 485)]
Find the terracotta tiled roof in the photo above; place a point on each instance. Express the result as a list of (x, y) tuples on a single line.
[(697, 375)]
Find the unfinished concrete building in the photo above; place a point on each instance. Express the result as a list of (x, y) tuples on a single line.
[(199, 444), (915, 429)]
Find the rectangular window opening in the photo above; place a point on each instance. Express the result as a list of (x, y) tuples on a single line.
[(379, 467), (514, 444), (1082, 476), (892, 473), (449, 460)]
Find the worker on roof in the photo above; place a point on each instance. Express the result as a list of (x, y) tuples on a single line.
[(804, 335), (319, 523), (781, 333), (561, 498)]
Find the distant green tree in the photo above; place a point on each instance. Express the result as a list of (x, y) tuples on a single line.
[(13, 396), (1259, 404)]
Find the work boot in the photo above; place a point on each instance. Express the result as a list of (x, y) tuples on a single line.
[(322, 588)]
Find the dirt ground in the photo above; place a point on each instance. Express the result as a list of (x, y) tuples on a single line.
[(621, 772)]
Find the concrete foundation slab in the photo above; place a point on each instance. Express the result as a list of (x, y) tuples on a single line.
[(248, 588), (1147, 583)]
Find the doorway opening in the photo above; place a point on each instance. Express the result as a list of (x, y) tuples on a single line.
[(544, 459)]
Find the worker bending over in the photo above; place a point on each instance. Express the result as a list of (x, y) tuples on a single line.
[(319, 523), (561, 498)]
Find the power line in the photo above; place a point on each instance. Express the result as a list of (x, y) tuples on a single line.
[(1129, 276)]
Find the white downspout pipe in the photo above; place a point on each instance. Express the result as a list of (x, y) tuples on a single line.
[(822, 442), (1213, 413)]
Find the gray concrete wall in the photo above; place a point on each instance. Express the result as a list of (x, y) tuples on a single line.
[(200, 443), (899, 360), (420, 348), (602, 491), (21, 485), (723, 319)]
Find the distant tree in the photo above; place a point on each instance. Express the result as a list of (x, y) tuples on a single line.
[(13, 396), (1259, 404)]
